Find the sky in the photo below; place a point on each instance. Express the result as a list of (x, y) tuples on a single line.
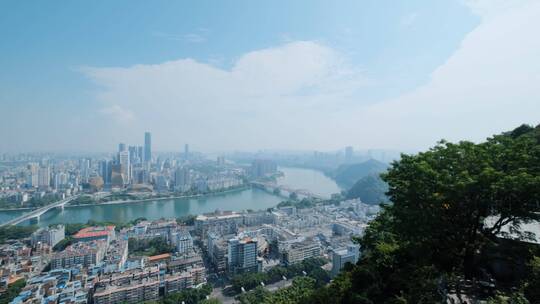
[(249, 75)]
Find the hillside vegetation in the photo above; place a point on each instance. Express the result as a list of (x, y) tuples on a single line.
[(369, 189), (347, 175), (446, 233)]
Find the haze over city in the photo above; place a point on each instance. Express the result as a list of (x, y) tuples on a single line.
[(297, 76), (270, 152)]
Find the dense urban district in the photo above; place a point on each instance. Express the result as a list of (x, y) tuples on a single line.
[(456, 224)]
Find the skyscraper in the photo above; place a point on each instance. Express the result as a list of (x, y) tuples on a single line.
[(33, 175), (105, 170), (121, 147), (123, 160), (147, 147), (133, 156), (44, 177), (181, 179), (186, 151)]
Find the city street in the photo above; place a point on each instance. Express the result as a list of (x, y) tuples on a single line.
[(218, 292)]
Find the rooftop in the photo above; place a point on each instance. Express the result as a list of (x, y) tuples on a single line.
[(94, 232), (159, 257)]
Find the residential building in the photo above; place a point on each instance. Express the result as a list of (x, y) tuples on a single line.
[(50, 236), (340, 257), (263, 167), (183, 241), (225, 222), (80, 254), (299, 250), (242, 255)]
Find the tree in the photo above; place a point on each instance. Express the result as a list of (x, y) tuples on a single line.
[(293, 196), (370, 189), (12, 291), (257, 295), (450, 206), (455, 198), (299, 292), (11, 232)]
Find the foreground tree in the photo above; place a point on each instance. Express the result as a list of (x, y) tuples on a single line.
[(451, 201), (450, 205)]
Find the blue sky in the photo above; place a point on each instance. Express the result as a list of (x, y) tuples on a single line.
[(66, 65)]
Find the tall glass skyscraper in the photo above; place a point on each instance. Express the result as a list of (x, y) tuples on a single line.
[(147, 147)]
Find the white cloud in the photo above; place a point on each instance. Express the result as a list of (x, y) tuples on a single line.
[(494, 8), (271, 97), (489, 85), (118, 114), (305, 95)]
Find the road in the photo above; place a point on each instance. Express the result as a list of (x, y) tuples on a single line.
[(38, 212), (218, 292)]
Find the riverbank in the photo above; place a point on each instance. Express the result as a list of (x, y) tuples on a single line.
[(125, 211), (118, 202), (139, 200), (18, 209)]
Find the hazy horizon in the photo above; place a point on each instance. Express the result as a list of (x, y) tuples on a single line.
[(234, 76)]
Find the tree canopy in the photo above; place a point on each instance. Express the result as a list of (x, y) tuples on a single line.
[(455, 209)]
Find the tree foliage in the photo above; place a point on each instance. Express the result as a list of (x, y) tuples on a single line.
[(189, 296), (451, 205), (11, 232), (12, 291), (370, 189)]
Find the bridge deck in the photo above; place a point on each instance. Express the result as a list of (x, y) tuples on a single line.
[(37, 212)]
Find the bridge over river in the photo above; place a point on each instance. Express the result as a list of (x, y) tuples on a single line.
[(38, 212), (282, 188)]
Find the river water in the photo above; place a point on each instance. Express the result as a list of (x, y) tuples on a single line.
[(255, 199), (307, 179)]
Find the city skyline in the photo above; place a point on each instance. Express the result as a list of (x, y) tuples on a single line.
[(382, 76)]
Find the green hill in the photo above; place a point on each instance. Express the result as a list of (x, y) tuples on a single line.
[(348, 175), (370, 189)]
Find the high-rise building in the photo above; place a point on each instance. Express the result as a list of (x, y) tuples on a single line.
[(133, 155), (44, 177), (124, 161), (84, 167), (105, 170), (147, 147), (33, 178), (186, 151), (140, 153), (242, 255), (121, 147), (117, 177), (262, 167), (162, 183), (182, 179)]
